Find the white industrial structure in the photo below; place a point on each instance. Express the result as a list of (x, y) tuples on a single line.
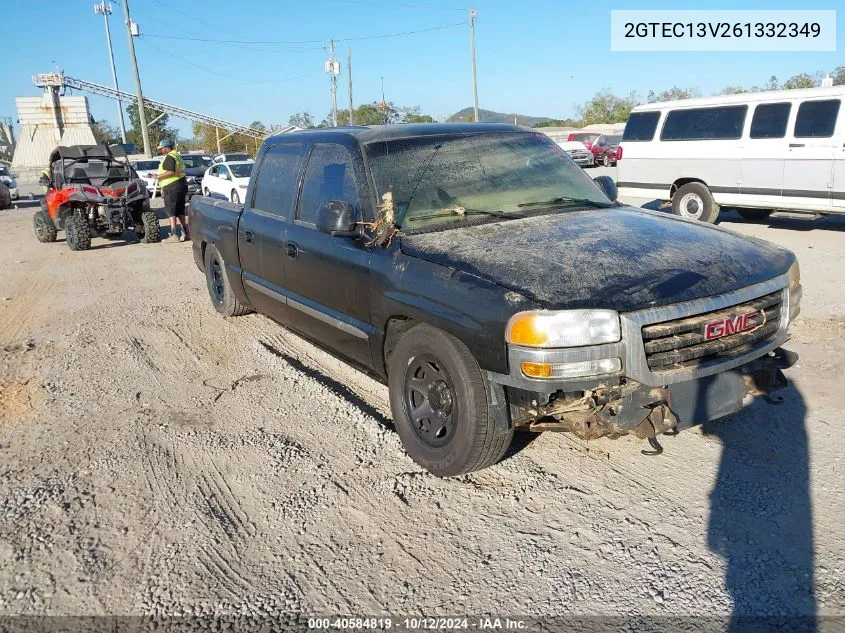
[(45, 122)]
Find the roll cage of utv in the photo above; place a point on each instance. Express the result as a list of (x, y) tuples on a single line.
[(93, 192)]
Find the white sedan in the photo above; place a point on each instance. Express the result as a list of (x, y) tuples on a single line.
[(228, 179), (8, 179), (146, 169)]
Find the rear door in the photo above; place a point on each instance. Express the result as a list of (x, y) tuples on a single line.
[(808, 170), (262, 231), (765, 152), (328, 277)]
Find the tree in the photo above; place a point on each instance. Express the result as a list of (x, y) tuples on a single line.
[(772, 84), (205, 136), (379, 113), (157, 130), (735, 90), (302, 120), (606, 107), (105, 133), (838, 75), (673, 94), (803, 80)]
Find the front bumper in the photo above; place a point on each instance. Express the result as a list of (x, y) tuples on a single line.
[(194, 188), (618, 403)]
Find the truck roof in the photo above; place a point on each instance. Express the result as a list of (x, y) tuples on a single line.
[(371, 133)]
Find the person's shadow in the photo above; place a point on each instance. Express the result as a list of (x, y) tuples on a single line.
[(761, 518)]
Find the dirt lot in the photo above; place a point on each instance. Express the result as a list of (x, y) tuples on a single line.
[(156, 458)]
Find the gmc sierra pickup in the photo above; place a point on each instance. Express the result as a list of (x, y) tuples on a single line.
[(495, 287)]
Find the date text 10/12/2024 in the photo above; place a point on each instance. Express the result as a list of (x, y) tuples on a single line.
[(417, 624)]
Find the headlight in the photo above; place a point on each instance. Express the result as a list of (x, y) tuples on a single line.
[(568, 328), (795, 291)]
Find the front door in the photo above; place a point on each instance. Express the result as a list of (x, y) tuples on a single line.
[(328, 277), (808, 170)]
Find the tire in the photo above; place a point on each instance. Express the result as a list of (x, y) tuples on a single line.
[(235, 197), (77, 233), (205, 192), (755, 215), (151, 233), (45, 230), (695, 202), (219, 289), (430, 368)]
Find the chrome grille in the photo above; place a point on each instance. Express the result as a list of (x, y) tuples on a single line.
[(681, 343)]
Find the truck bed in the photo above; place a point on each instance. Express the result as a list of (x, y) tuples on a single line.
[(215, 221)]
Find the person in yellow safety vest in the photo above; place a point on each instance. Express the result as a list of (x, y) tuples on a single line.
[(46, 180), (174, 189)]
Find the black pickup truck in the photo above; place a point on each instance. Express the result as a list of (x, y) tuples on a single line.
[(495, 287)]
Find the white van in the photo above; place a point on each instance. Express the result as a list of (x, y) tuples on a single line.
[(756, 152)]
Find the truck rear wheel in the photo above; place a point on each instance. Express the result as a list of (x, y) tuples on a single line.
[(45, 230), (77, 233), (219, 290), (695, 202), (440, 406)]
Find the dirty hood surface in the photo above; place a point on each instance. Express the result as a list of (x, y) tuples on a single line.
[(620, 258)]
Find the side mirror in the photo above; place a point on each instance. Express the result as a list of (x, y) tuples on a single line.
[(337, 219), (607, 185)]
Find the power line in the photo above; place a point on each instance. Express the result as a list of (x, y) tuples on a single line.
[(342, 39), (219, 74), (224, 42), (393, 5)]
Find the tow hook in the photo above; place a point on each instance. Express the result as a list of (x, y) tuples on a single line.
[(660, 420)]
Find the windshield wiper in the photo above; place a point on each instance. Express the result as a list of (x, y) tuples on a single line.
[(462, 212), (566, 200)]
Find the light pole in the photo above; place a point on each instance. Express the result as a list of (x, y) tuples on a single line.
[(472, 14), (104, 9), (142, 116)]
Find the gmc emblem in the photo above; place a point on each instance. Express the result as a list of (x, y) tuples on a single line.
[(729, 325)]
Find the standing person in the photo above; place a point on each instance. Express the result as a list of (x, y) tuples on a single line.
[(46, 180), (174, 188)]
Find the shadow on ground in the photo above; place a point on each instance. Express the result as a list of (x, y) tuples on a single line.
[(761, 518)]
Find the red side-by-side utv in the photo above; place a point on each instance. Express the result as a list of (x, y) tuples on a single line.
[(93, 193)]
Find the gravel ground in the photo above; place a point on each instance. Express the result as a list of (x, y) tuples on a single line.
[(158, 459)]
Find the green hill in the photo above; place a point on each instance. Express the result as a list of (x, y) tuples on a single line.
[(490, 116)]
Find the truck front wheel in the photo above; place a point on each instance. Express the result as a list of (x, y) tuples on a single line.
[(695, 202), (219, 290), (439, 400)]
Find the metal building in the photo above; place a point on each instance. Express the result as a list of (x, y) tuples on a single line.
[(45, 122)]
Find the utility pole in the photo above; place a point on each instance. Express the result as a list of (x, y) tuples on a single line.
[(333, 68), (145, 133), (472, 14), (349, 72), (104, 9)]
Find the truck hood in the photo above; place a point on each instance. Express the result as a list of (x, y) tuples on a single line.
[(620, 259)]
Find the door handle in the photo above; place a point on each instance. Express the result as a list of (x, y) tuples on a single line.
[(249, 236), (796, 144), (292, 249)]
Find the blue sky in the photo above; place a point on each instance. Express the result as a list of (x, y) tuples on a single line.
[(535, 57)]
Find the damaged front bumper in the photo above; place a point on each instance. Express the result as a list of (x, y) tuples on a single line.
[(631, 407)]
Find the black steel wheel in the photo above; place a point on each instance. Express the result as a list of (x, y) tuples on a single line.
[(450, 419), (430, 401), (219, 291)]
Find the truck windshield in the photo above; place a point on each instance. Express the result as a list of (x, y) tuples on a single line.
[(443, 179)]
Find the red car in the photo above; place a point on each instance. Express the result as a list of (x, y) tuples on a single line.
[(602, 146)]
